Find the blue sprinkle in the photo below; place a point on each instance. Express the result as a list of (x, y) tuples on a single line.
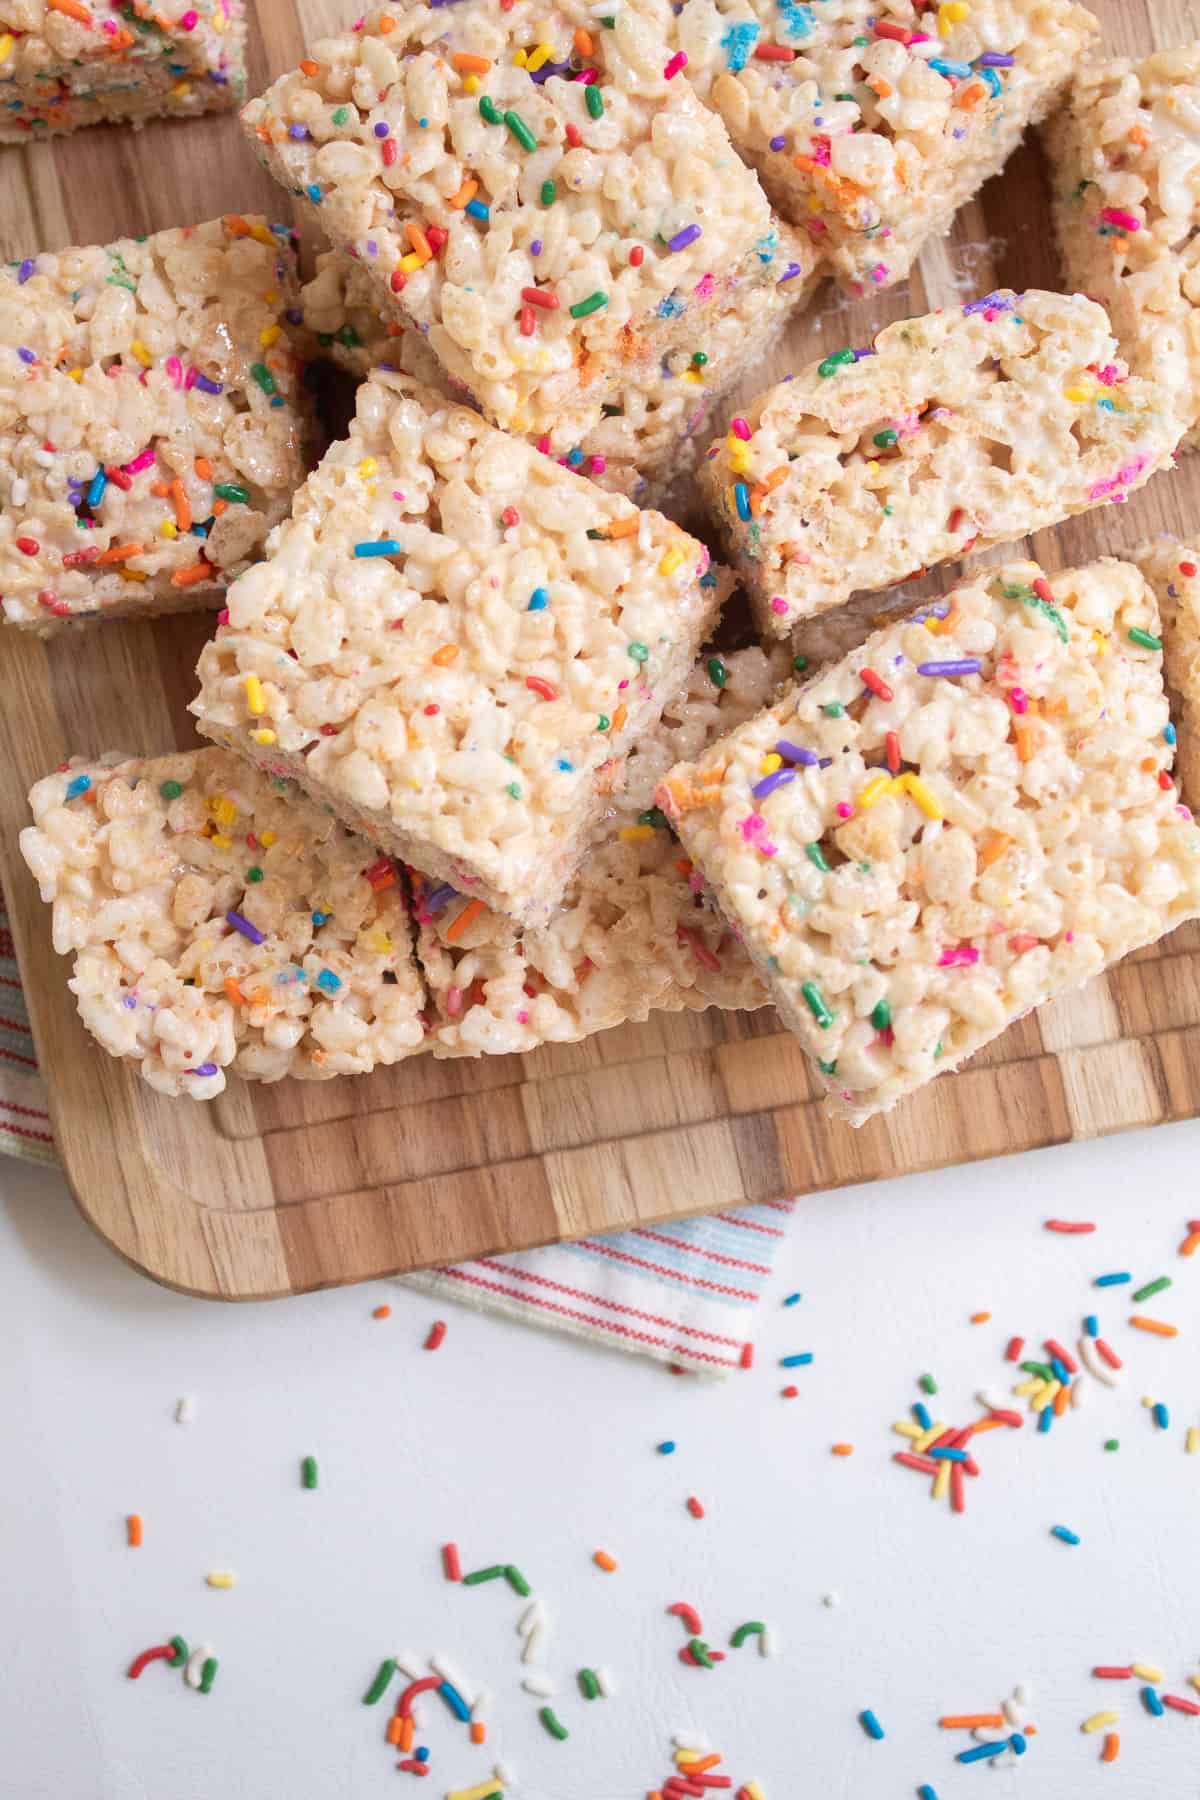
[(1064, 1535), (80, 785), (670, 308), (1018, 1744), (993, 81), (709, 580), (996, 59), (981, 1751), (737, 44), (798, 1361), (1162, 1417), (30, 356), (328, 981), (319, 919), (244, 926), (422, 1755), (575, 457), (96, 487), (1169, 732), (957, 71), (1061, 1371), (1091, 1325), (563, 765), (440, 897), (667, 1447), (1118, 1280), (947, 1455), (298, 132), (478, 209), (741, 496), (1152, 1703), (789, 274), (314, 193), (792, 1299), (993, 302), (797, 20), (1046, 1418), (921, 1415), (380, 547), (925, 1792), (454, 1701), (871, 1725), (539, 600)]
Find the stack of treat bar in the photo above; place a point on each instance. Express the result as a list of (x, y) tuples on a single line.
[(482, 781)]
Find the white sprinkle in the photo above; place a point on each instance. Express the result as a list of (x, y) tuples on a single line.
[(185, 1409), (1023, 1692), (993, 1399), (194, 1667), (43, 458), (483, 1704), (541, 1685), (503, 1772), (1094, 1366), (768, 1643), (533, 1615), (533, 1643), (410, 1664), (1078, 1394), (19, 492), (605, 1683), (690, 1740), (441, 1665)]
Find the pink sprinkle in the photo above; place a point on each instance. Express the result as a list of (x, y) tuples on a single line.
[(189, 380), (1116, 215), (454, 1002), (779, 605), (1018, 699), (1109, 375), (677, 62), (699, 949), (740, 429), (1104, 490), (522, 1018), (959, 957), (175, 370), (754, 830), (820, 149), (189, 21), (879, 272), (587, 76), (543, 445), (845, 810), (223, 616), (599, 464), (705, 286), (142, 461)]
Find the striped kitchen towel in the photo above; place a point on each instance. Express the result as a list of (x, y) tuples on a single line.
[(683, 1293)]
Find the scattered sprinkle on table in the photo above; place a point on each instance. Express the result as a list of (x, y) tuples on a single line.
[(1064, 1534), (1071, 1227), (694, 1507), (133, 1531), (437, 1333), (603, 1560), (870, 1724), (221, 1578), (308, 1472)]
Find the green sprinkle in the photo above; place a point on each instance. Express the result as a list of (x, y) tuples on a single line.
[(179, 1645), (517, 1581), (833, 710), (595, 102), (589, 1687), (1148, 642), (379, 1686), (927, 1384), (489, 110), (827, 1068), (348, 336), (208, 1674), (520, 130), (609, 21), (598, 534), (341, 115), (639, 653), (816, 857), (254, 873), (883, 440), (1112, 1444), (1151, 1288), (1042, 1370), (699, 359), (699, 1650), (833, 363), (549, 193), (1027, 597), (308, 1472), (263, 376), (752, 1628), (513, 790), (815, 1002), (232, 491), (799, 663), (592, 304), (881, 1017), (937, 1051), (122, 281), (718, 674), (656, 818), (170, 790), (553, 1723), (490, 1574), (603, 722)]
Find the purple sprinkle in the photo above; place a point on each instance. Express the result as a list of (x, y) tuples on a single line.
[(778, 143), (25, 270), (27, 356), (130, 1002), (244, 926), (995, 59), (683, 238), (208, 387), (793, 753), (297, 131), (381, 130), (535, 249), (778, 778), (789, 274), (294, 316), (202, 1069), (965, 665), (547, 69), (869, 351), (441, 896), (993, 302)]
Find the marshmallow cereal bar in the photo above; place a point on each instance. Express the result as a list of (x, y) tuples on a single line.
[(450, 638), (220, 921), (870, 122), (1173, 571), (964, 428), (153, 420), (950, 826), (526, 186)]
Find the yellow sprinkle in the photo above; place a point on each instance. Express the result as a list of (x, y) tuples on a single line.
[(471, 83), (754, 1792), (875, 788), (941, 1481), (168, 529), (266, 839), (255, 698), (181, 90), (267, 336), (770, 763), (1079, 395), (542, 54), (1147, 1671), (1191, 1444), (692, 375), (74, 374), (1027, 1387), (484, 1791), (410, 262), (1195, 1681), (915, 788), (671, 561), (128, 574), (921, 1444), (740, 461), (223, 810), (1100, 643), (367, 467), (635, 834), (265, 736), (872, 467), (521, 59), (221, 1578), (262, 233), (221, 842), (6, 44), (271, 297), (814, 204), (219, 22), (1148, 1401), (140, 351), (379, 942), (1100, 1721), (906, 1428)]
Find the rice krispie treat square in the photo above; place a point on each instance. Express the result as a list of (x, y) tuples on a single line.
[(66, 63), (968, 815), (153, 419), (1127, 209), (450, 637), (653, 427), (870, 122), (959, 430), (1173, 571), (220, 921), (635, 932), (526, 186)]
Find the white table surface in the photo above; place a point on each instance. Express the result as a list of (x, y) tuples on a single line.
[(529, 1448)]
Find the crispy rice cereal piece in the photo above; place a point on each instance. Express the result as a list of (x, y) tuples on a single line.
[(449, 640), (66, 63), (653, 429), (634, 933), (1029, 836), (964, 428), (871, 122), (1126, 158), (467, 179), (153, 419), (1173, 571), (219, 920)]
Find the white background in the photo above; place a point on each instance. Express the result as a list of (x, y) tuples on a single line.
[(530, 1448)]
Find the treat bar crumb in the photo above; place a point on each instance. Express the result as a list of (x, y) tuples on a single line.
[(451, 641), (153, 419), (219, 920), (655, 424), (870, 124), (525, 186), (66, 63), (1127, 209), (1173, 571), (636, 931), (968, 815), (962, 429)]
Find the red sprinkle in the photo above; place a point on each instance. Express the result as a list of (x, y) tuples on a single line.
[(574, 136), (399, 281), (689, 1615), (1187, 568), (926, 1464), (536, 685), (1006, 1418), (1043, 590), (958, 1502), (774, 53), (1064, 1356), (637, 256), (892, 742), (28, 546), (155, 1654), (535, 296), (1108, 1353), (747, 1357), (1164, 780), (119, 478), (451, 1563), (438, 237), (789, 1393), (1014, 1349), (389, 151), (436, 1334), (694, 1507), (875, 684), (1071, 1227), (511, 516), (1110, 1672), (885, 29), (1180, 1704), (526, 325)]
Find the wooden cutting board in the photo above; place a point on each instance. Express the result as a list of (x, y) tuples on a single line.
[(277, 1190)]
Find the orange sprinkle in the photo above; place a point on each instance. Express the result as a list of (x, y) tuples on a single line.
[(119, 553), (467, 63), (478, 1731), (986, 1424), (1154, 1325), (1112, 1739), (622, 528), (233, 992), (72, 9), (583, 42), (382, 1312), (219, 507), (620, 716), (770, 482), (133, 1531), (408, 1730), (971, 1721), (190, 576), (308, 66), (203, 468), (757, 499), (1024, 738), (466, 192), (418, 240), (992, 851), (879, 86), (1138, 134), (604, 1561), (980, 1318), (395, 1727), (1061, 1401), (1190, 1244), (842, 1449), (445, 656), (968, 98), (183, 506), (234, 222), (159, 489), (387, 23), (698, 1765), (470, 912)]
